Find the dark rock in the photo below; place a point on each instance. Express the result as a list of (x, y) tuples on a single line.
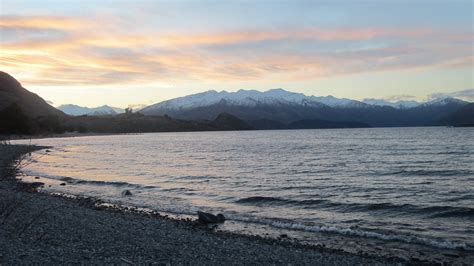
[(37, 177), (62, 184), (208, 218), (37, 184), (283, 235), (126, 193), (451, 255)]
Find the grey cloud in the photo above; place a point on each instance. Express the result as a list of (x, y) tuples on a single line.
[(467, 95), (401, 97)]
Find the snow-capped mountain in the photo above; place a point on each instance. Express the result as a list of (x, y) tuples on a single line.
[(396, 104), (278, 108), (443, 101), (280, 96), (246, 98), (76, 110)]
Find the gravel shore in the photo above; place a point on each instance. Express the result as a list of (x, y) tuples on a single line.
[(41, 229)]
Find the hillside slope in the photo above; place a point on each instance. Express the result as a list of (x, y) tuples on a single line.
[(462, 117), (11, 93)]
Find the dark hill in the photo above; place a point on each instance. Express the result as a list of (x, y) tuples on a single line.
[(228, 121), (12, 93), (462, 117), (23, 112)]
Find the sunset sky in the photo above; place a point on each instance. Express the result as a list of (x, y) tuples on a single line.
[(124, 53)]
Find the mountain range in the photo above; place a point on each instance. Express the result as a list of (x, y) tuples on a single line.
[(23, 112), (274, 96), (278, 108), (77, 110), (242, 97)]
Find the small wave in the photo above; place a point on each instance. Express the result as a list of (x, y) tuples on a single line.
[(292, 187), (364, 207), (425, 183), (105, 183), (446, 212), (411, 239), (369, 234), (407, 173), (463, 197), (179, 189), (379, 206), (258, 200), (101, 183), (454, 152), (431, 211), (197, 177)]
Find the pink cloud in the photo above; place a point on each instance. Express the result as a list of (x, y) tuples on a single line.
[(111, 55)]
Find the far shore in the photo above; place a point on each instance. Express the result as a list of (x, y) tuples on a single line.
[(90, 134), (62, 135), (42, 229)]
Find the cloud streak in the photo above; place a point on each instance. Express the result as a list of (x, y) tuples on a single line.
[(59, 51), (467, 95)]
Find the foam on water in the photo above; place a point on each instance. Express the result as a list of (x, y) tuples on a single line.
[(361, 233)]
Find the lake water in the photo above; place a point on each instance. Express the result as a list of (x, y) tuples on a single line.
[(392, 191)]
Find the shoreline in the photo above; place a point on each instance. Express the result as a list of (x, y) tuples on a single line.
[(39, 224), (93, 134), (65, 135)]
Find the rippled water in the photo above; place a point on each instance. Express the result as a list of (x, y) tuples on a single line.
[(399, 185)]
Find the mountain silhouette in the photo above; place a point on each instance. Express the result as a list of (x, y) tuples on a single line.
[(11, 92)]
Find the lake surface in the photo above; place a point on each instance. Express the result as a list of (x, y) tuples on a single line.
[(410, 189)]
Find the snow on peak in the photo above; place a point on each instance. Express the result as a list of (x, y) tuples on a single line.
[(247, 98), (76, 110), (332, 101), (443, 101), (397, 104), (280, 96)]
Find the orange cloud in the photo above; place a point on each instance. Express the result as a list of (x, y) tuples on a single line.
[(43, 23), (98, 52)]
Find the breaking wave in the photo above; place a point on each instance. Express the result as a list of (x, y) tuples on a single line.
[(430, 211), (437, 243)]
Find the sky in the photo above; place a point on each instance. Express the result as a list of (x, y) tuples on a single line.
[(132, 53)]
